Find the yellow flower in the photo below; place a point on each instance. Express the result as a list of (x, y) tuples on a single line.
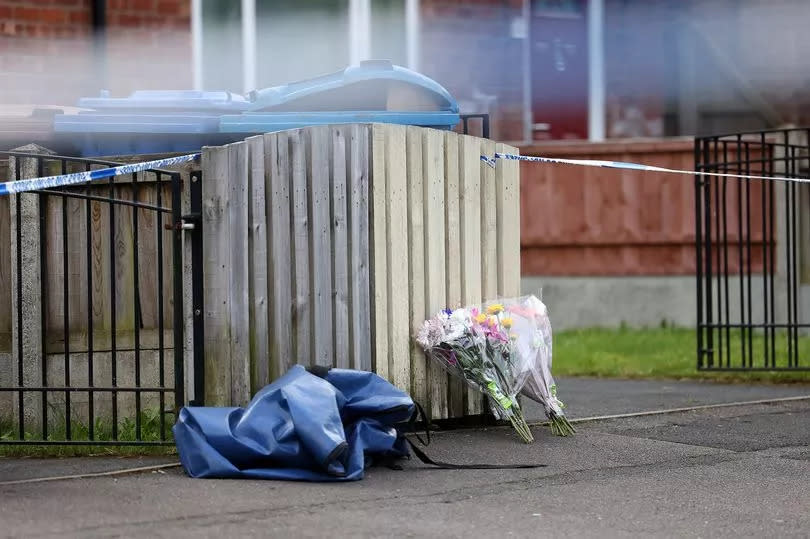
[(507, 322), (481, 318), (492, 321), (495, 308)]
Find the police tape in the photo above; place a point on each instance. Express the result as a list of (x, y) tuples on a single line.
[(34, 184), (633, 166)]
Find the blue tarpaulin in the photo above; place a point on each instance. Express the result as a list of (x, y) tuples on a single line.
[(306, 427)]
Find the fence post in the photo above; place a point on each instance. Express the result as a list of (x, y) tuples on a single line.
[(225, 231), (785, 162), (27, 348), (788, 159)]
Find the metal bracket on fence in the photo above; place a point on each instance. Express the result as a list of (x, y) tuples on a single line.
[(188, 222)]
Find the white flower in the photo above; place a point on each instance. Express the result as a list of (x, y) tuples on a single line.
[(461, 316), (431, 334)]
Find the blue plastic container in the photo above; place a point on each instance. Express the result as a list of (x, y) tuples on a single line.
[(181, 121)]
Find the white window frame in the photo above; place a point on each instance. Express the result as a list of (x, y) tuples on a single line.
[(596, 70), (359, 38)]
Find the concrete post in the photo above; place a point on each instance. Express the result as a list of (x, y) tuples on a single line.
[(26, 290)]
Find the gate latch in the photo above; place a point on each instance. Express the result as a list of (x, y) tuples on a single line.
[(187, 222)]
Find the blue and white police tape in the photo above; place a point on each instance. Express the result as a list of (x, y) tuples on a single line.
[(46, 182), (632, 166)]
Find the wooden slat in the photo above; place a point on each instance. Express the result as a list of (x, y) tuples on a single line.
[(216, 278), (470, 219), (167, 257), (5, 275), (77, 259), (340, 246), (399, 364), (124, 271), (100, 267), (489, 227), (359, 275), (379, 241), (453, 261), (507, 184), (489, 224), (257, 265), (238, 272), (435, 286), (419, 388), (301, 323), (147, 252), (319, 188), (279, 261)]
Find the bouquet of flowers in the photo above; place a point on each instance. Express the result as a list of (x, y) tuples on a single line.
[(539, 385), (500, 349)]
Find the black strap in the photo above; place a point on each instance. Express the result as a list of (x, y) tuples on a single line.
[(319, 371), (412, 423), (448, 466)]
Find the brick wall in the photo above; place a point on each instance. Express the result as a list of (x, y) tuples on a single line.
[(467, 46), (46, 50)]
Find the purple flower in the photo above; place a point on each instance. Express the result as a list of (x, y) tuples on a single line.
[(452, 359), (448, 312)]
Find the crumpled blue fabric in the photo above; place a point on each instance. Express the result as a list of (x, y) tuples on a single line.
[(301, 427)]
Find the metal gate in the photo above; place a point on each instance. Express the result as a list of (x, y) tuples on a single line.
[(753, 252), (91, 306)]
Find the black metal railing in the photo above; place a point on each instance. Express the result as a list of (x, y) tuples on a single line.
[(95, 354), (470, 121), (753, 256)]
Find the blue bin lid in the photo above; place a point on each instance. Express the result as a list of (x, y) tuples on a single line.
[(373, 91), (268, 122), (168, 100), (189, 123), (371, 85)]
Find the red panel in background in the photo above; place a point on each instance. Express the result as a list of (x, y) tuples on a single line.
[(559, 58), (595, 221)]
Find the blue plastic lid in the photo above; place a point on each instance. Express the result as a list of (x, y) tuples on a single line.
[(188, 123), (371, 85), (169, 100), (268, 122)]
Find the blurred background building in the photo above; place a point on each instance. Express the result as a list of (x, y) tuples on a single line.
[(544, 69), (625, 80)]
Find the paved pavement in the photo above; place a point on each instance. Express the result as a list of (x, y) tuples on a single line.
[(738, 471), (588, 397)]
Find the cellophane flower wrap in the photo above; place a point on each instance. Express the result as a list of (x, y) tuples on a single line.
[(501, 348)]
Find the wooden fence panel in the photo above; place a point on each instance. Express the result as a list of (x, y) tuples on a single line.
[(453, 261), (471, 240), (398, 255), (379, 270), (318, 184), (302, 315), (279, 263), (361, 315), (368, 231), (238, 272), (507, 184), (340, 249), (435, 285), (416, 261), (216, 281), (258, 248), (5, 275)]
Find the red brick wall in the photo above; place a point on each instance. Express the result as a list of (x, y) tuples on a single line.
[(46, 53)]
